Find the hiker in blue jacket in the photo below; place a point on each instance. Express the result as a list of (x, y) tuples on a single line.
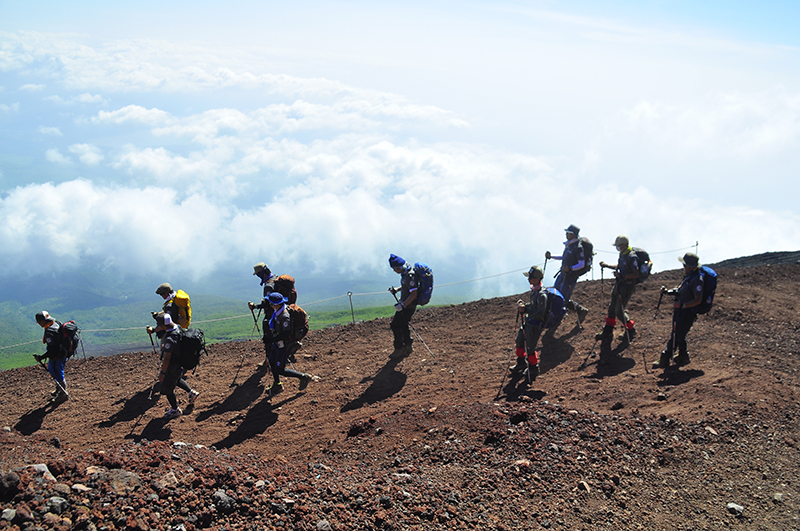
[(572, 262), (54, 353), (688, 297), (534, 315), (280, 329), (405, 307)]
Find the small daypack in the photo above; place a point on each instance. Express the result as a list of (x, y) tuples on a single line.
[(425, 288), (588, 253), (645, 265), (284, 285), (191, 345), (69, 336), (299, 319), (709, 277), (556, 307)]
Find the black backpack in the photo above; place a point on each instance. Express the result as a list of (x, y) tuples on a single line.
[(69, 336), (645, 265), (190, 346), (588, 253)]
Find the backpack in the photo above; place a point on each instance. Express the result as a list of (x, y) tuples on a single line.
[(299, 319), (69, 335), (555, 307), (645, 265), (588, 253), (425, 288), (184, 305), (284, 285), (191, 345), (709, 289)]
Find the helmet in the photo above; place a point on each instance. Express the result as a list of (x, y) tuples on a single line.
[(260, 268), (534, 272), (573, 229), (164, 289), (43, 317), (622, 240)]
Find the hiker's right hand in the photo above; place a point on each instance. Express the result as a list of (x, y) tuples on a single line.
[(393, 290), (251, 306), (37, 358), (150, 330), (603, 264), (547, 255)]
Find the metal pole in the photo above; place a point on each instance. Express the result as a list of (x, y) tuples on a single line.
[(352, 312), (54, 378)]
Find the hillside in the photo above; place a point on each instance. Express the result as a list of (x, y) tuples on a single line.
[(441, 439)]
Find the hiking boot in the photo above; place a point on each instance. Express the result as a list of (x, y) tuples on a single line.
[(606, 332), (60, 397), (663, 361), (628, 335), (582, 313), (304, 381), (532, 373), (276, 388), (173, 413), (519, 366), (193, 396), (681, 360)]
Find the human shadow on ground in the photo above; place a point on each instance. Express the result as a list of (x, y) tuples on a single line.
[(555, 350), (387, 382), (615, 363), (518, 387), (31, 421), (156, 430), (241, 398), (675, 376), (258, 418), (132, 408)]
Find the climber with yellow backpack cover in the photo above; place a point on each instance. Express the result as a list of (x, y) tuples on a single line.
[(176, 304)]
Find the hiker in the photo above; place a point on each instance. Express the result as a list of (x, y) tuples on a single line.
[(176, 304), (280, 330), (688, 297), (172, 372), (534, 316), (283, 284), (405, 307), (574, 263), (626, 271), (54, 353)]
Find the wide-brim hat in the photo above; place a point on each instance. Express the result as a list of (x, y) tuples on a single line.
[(534, 272), (689, 259), (276, 298)]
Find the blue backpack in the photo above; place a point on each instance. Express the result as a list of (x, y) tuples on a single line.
[(425, 289), (555, 307), (709, 277)]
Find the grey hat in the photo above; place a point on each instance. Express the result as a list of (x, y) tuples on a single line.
[(574, 229), (689, 259), (534, 272), (260, 268), (622, 240), (164, 289)]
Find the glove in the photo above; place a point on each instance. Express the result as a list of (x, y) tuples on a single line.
[(393, 290), (37, 357), (547, 255), (150, 330), (250, 306), (399, 307)]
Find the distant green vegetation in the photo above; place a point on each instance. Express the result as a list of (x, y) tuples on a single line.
[(122, 328)]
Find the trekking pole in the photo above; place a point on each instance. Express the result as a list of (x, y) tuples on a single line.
[(589, 355), (255, 323), (505, 372), (650, 335), (60, 387), (602, 286), (625, 324), (412, 328), (545, 265), (153, 388)]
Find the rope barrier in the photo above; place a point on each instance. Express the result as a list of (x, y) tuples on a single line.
[(348, 295)]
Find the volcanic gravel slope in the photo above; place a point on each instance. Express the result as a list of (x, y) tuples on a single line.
[(443, 439)]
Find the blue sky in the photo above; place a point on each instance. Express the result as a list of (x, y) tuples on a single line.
[(323, 136)]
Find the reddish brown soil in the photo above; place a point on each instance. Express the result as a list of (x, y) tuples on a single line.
[(443, 438)]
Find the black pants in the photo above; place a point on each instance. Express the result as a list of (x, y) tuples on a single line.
[(173, 378), (683, 319), (528, 336), (400, 328), (278, 357)]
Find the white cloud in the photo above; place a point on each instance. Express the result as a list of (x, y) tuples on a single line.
[(49, 130), (31, 87), (54, 155), (133, 113), (87, 153), (14, 107)]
